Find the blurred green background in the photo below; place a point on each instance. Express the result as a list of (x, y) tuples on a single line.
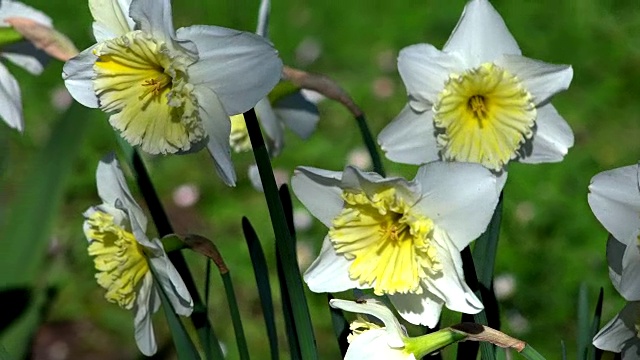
[(550, 242)]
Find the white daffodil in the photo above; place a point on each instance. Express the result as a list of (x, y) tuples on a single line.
[(400, 238), (293, 111), (21, 53), (169, 91), (124, 257), (389, 342), (478, 100)]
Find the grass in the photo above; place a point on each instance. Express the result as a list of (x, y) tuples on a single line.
[(550, 241)]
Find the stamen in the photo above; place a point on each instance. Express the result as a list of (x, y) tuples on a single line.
[(155, 86)]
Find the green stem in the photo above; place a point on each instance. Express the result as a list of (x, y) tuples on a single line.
[(370, 144), (293, 280), (235, 316)]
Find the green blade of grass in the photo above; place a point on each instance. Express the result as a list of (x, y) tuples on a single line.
[(33, 211), (287, 313), (596, 353), (238, 330), (370, 144), (285, 243), (199, 316), (584, 325), (261, 273)]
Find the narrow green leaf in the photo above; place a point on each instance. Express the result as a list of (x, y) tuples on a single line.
[(594, 352), (261, 273), (370, 144), (4, 355), (285, 243), (287, 313), (199, 316), (184, 346), (584, 326), (501, 353), (33, 211), (35, 205), (563, 349), (241, 341), (531, 354)]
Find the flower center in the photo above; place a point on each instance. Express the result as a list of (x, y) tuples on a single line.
[(483, 115), (119, 259), (239, 138), (389, 244), (145, 85)]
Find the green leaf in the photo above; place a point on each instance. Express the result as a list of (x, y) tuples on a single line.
[(33, 211), (340, 328), (285, 242), (594, 352), (584, 325), (261, 273), (9, 35)]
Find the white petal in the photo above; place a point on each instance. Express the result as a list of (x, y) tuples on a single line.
[(218, 127), (329, 272), (424, 70), (319, 191), (111, 18), (254, 176), (371, 183), (615, 200), (393, 329), (450, 285), (629, 285), (145, 339), (112, 187), (78, 77), (154, 17), (371, 345), (615, 253), (619, 334), (173, 285), (241, 68), (270, 125), (9, 9), (410, 138), (481, 35), (298, 114), (423, 309), (10, 100), (541, 79), (552, 138), (459, 197), (27, 56)]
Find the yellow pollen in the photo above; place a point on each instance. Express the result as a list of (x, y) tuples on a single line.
[(119, 259), (484, 115), (388, 243), (155, 86)]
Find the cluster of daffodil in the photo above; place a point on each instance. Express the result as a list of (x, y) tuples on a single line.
[(614, 197), (473, 107)]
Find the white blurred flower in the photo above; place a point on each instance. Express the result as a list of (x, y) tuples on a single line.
[(170, 91), (401, 238), (293, 111), (478, 100), (21, 53), (124, 256)]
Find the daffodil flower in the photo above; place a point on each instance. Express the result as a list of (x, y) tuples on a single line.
[(127, 260), (389, 342), (478, 100), (400, 238), (293, 111), (170, 91), (614, 197), (21, 53)]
